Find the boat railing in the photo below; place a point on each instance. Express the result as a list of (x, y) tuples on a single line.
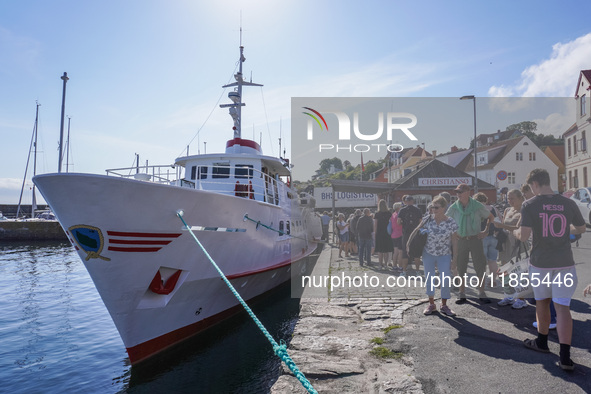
[(239, 181), (168, 174)]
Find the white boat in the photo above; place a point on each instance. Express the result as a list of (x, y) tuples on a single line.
[(155, 281)]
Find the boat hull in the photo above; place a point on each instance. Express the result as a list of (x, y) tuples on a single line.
[(158, 285)]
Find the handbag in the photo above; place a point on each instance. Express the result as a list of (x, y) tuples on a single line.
[(418, 239), (516, 272), (389, 228)]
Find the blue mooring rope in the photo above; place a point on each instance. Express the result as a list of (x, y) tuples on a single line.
[(279, 349)]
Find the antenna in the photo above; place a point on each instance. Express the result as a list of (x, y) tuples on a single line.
[(279, 137), (68, 146)]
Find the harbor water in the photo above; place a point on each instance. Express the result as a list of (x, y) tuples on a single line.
[(57, 336)]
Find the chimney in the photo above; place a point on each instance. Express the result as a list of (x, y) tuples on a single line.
[(454, 148), (434, 153)]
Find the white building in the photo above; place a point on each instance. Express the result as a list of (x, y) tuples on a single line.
[(507, 163), (577, 157)]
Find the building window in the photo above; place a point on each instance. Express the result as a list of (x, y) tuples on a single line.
[(583, 142), (569, 151), (585, 183), (511, 178), (532, 156), (574, 145), (576, 179), (583, 105), (518, 156), (570, 179)]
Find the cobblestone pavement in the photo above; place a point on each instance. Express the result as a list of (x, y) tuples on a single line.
[(342, 324), (354, 311)]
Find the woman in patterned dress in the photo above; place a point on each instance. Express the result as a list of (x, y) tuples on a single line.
[(438, 252)]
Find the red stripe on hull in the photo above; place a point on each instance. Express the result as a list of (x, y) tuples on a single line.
[(143, 235), (270, 268), (259, 271), (137, 242), (123, 249), (149, 348)]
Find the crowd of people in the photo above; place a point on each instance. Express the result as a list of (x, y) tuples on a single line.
[(537, 224)]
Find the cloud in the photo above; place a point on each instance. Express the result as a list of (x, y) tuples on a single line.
[(14, 184), (553, 77), (10, 191), (18, 53), (558, 122)]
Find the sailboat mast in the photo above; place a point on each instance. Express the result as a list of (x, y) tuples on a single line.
[(34, 199), (61, 153), (33, 141)]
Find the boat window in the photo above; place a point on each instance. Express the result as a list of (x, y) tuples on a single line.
[(220, 171), (202, 172), (243, 171), (193, 172), (288, 228)]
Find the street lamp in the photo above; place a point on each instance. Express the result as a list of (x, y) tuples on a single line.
[(475, 161)]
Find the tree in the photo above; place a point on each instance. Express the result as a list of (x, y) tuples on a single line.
[(370, 168), (527, 128), (327, 163)]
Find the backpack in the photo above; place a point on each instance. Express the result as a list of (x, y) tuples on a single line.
[(412, 217)]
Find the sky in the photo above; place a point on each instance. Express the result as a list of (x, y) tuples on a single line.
[(146, 75)]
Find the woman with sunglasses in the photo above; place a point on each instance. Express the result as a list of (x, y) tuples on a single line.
[(438, 252)]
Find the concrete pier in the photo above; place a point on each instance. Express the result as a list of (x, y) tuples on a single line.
[(338, 342), (375, 339), (31, 230)]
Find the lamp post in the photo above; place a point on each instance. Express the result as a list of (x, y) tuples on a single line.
[(475, 152)]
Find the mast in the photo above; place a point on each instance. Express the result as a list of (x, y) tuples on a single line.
[(33, 144), (61, 153), (68, 146), (235, 108), (34, 199)]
